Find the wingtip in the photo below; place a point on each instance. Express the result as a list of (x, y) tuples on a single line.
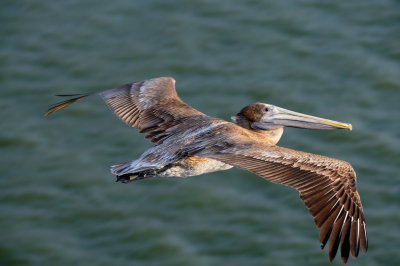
[(365, 248), (61, 105)]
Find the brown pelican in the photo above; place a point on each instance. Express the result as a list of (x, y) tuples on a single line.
[(189, 143)]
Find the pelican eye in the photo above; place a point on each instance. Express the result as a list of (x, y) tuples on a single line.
[(266, 109)]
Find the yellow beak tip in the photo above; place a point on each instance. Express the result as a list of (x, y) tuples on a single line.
[(350, 127)]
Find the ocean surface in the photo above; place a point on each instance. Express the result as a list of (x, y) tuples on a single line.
[(59, 204)]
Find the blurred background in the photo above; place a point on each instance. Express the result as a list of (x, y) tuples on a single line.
[(59, 204)]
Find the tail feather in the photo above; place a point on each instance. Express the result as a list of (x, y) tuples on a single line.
[(132, 167), (63, 104), (118, 169), (128, 172)]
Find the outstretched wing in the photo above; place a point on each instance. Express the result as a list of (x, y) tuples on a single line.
[(151, 106), (327, 186)]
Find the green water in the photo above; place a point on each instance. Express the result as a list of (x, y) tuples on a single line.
[(59, 204)]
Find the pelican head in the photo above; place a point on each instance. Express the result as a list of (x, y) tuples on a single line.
[(262, 116)]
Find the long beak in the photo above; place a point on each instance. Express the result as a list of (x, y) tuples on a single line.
[(293, 119)]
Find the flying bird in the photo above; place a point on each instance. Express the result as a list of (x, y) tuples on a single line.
[(189, 143)]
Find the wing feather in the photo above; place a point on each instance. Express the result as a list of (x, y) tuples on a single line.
[(327, 186), (151, 106)]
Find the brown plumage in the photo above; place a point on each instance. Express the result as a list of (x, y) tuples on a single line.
[(188, 142)]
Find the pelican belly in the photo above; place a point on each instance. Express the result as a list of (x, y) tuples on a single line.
[(192, 166)]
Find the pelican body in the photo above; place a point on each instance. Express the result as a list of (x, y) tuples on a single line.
[(189, 143)]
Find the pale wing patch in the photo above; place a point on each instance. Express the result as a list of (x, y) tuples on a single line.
[(151, 106)]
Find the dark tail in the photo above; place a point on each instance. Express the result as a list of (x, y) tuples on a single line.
[(127, 178), (63, 104)]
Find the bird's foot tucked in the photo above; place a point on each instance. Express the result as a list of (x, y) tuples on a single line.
[(127, 178)]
